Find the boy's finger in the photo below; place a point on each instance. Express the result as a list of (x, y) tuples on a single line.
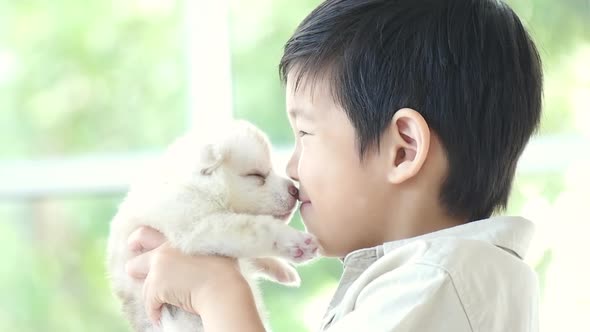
[(145, 239), (150, 302), (153, 309), (139, 267)]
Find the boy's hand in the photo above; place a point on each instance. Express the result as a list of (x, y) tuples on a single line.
[(193, 283)]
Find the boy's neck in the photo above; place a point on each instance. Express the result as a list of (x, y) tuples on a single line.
[(417, 208), (408, 223)]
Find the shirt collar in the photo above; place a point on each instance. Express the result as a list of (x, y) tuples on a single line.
[(508, 232)]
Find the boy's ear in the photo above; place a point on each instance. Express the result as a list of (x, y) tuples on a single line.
[(409, 143), (211, 159)]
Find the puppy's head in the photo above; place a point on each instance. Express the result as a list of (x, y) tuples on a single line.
[(242, 157)]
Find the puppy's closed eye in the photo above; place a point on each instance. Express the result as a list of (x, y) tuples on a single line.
[(257, 176)]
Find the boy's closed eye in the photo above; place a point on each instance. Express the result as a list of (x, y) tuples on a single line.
[(302, 133)]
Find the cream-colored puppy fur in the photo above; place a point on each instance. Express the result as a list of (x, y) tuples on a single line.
[(218, 195)]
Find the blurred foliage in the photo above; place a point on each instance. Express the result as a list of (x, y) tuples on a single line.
[(77, 77), (104, 76), (258, 34)]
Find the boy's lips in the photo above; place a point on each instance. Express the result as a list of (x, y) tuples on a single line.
[(304, 200), (303, 197)]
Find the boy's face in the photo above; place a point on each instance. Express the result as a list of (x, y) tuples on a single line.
[(343, 200)]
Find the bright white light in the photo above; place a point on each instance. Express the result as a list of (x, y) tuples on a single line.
[(8, 66), (580, 91), (314, 310), (210, 93)]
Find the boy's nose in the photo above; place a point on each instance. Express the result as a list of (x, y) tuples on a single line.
[(291, 168), (293, 191)]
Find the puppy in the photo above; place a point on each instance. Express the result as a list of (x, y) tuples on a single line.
[(214, 195)]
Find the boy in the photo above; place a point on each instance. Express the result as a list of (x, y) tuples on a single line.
[(409, 118)]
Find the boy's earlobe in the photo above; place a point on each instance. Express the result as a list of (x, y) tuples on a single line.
[(409, 145)]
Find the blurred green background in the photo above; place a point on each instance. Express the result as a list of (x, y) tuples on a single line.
[(85, 79)]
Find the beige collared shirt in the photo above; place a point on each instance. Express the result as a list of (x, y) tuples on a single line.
[(469, 278)]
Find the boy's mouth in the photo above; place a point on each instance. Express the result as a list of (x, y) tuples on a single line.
[(304, 202), (303, 197)]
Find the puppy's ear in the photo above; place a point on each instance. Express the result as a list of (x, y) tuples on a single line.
[(211, 159)]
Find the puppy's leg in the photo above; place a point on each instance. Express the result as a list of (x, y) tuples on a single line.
[(277, 270), (245, 236)]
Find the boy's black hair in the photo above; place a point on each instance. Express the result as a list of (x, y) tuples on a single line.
[(468, 67)]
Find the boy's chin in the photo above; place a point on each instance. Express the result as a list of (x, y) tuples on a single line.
[(304, 209)]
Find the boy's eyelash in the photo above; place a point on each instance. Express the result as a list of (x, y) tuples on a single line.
[(302, 133)]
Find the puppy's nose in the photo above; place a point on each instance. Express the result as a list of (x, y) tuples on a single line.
[(293, 191)]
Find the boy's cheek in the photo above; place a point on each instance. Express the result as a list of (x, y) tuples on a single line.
[(308, 178)]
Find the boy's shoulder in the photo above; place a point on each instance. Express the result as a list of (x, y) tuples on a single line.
[(494, 246), (471, 277), (464, 258)]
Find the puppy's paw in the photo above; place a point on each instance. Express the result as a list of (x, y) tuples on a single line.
[(297, 247)]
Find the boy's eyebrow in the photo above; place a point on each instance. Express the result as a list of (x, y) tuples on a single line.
[(296, 112)]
